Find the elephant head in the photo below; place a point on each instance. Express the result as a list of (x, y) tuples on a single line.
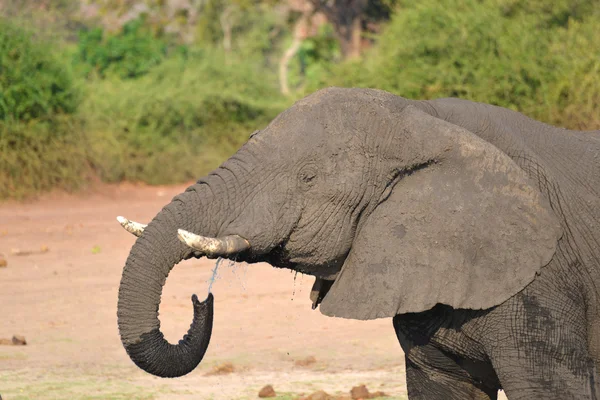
[(392, 209)]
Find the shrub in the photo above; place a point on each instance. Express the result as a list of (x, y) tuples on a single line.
[(40, 146), (180, 120), (41, 155), (130, 53), (187, 110), (34, 81), (541, 63)]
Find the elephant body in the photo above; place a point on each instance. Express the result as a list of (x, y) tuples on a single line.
[(475, 228), (537, 341)]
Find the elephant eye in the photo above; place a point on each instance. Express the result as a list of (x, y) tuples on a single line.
[(307, 178), (307, 175)]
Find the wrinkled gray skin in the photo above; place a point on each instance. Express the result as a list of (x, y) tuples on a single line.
[(474, 227)]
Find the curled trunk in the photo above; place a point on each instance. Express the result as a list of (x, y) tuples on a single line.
[(151, 259)]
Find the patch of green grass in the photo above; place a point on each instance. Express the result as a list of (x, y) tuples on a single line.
[(285, 396), (22, 388), (13, 356)]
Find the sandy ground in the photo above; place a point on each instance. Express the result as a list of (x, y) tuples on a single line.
[(64, 303)]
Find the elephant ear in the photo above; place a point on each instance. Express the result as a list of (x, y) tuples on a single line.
[(465, 227)]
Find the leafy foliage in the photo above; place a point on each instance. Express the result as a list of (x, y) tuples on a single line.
[(130, 53), (494, 51), (180, 120), (319, 51), (34, 82), (39, 144), (256, 27), (42, 155), (143, 109)]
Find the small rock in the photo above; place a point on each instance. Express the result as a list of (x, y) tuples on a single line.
[(267, 391), (305, 362), (3, 262), (320, 395), (19, 340), (360, 393)]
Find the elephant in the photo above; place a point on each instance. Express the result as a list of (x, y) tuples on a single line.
[(473, 227)]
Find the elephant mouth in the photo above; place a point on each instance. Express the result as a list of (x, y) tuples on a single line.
[(319, 291), (234, 245)]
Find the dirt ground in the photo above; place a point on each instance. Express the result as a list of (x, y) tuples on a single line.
[(64, 302)]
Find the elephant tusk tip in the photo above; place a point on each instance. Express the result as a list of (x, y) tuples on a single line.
[(184, 236), (135, 228)]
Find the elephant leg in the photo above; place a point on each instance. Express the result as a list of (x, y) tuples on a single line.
[(553, 380), (570, 374), (443, 363), (444, 381), (594, 340), (539, 349), (593, 327)]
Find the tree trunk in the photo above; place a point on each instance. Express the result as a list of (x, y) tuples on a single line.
[(300, 33), (346, 18), (226, 25), (284, 63), (356, 36)]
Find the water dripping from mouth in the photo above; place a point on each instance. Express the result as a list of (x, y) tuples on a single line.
[(241, 278), (214, 275), (235, 268), (294, 290)]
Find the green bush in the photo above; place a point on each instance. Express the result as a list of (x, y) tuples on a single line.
[(180, 120), (40, 145), (542, 63), (315, 56), (130, 53), (574, 96), (34, 81), (187, 110), (41, 155)]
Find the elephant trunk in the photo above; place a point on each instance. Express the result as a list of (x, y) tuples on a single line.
[(151, 259)]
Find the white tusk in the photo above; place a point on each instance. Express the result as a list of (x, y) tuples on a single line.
[(214, 247), (135, 228)]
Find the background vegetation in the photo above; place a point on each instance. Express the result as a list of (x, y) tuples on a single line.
[(163, 91)]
